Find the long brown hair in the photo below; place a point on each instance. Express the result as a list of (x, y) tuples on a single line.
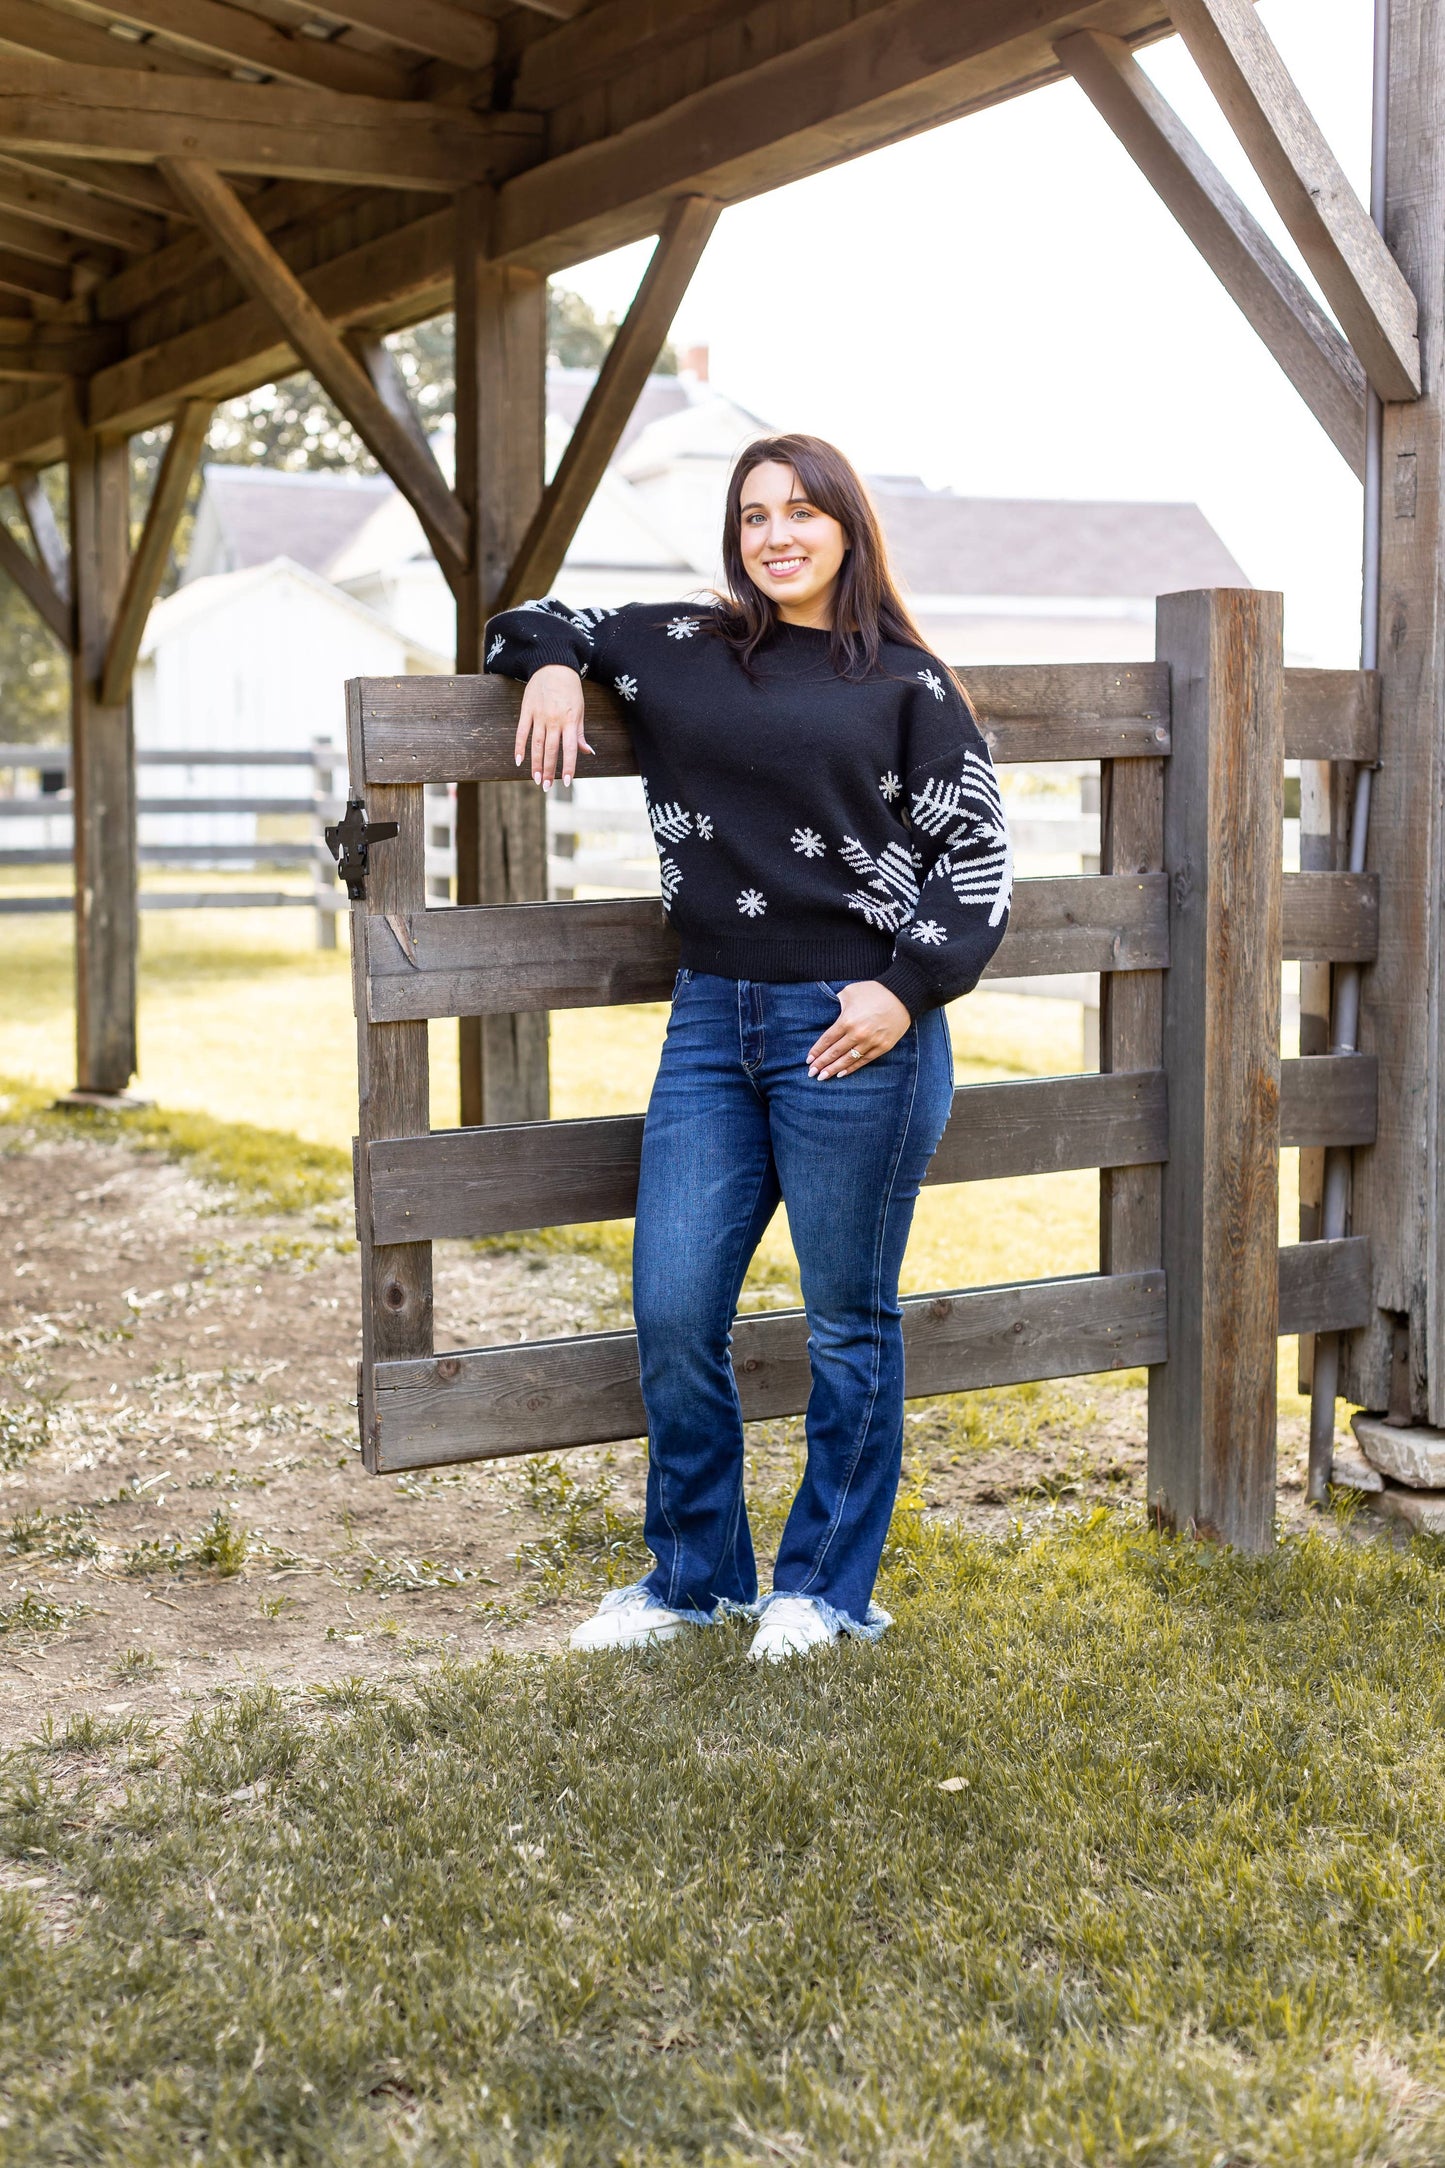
[(868, 608)]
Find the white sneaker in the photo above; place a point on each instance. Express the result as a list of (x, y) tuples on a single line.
[(629, 1624), (791, 1626)]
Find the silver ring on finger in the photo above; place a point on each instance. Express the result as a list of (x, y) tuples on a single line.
[(854, 1053)]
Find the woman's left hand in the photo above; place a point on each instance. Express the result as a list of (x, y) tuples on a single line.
[(870, 1020)]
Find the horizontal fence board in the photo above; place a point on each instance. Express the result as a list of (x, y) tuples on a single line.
[(1332, 715), (461, 1183), (1325, 1286), (1329, 1099), (55, 759), (461, 729), (482, 1403), (487, 960), (1331, 917)]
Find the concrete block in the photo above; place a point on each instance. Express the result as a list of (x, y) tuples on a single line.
[(1415, 1457), (1353, 1472), (1424, 1511)]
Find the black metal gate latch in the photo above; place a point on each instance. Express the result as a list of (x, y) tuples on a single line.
[(348, 841)]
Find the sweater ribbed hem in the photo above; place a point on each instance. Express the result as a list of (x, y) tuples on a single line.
[(912, 985), (538, 657), (775, 962)]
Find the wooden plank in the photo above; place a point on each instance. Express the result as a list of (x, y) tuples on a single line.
[(254, 127), (1331, 917), (54, 202), (393, 1100), (27, 28), (401, 450), (1131, 1009), (136, 186), (1231, 240), (1323, 845), (34, 434), (1324, 1286), (479, 1403), (470, 962), (629, 361), (1212, 1405), (1332, 715), (275, 206), (225, 35), (102, 769), (446, 730), (153, 551), (1329, 1099), (501, 831), (460, 1183), (35, 584), (1396, 1187), (426, 26), (1331, 227), (22, 274), (50, 547), (33, 238)]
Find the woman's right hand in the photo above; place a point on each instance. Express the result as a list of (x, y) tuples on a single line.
[(552, 718)]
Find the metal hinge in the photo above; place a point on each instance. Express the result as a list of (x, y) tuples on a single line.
[(349, 840)]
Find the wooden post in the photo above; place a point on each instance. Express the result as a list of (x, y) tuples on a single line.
[(1396, 1194), (1131, 1009), (501, 828), (1212, 1404), (102, 766), (1323, 848), (394, 1084)]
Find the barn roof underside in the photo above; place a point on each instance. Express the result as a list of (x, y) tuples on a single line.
[(349, 128)]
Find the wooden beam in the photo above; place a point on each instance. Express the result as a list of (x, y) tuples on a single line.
[(501, 832), (102, 768), (190, 257), (224, 36), (30, 348), (1236, 247), (137, 186), (53, 202), (35, 584), (50, 547), (32, 238), (34, 433), (1331, 227), (21, 274), (628, 363), (255, 128), (152, 553), (28, 28), (427, 26), (1212, 1416), (400, 450), (386, 380)]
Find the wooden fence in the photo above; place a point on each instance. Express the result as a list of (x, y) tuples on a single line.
[(1189, 921)]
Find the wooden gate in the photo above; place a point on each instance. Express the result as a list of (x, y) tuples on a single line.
[(1188, 920)]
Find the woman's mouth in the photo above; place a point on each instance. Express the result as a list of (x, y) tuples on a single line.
[(783, 568)]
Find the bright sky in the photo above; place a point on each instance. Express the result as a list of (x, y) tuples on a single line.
[(1004, 306)]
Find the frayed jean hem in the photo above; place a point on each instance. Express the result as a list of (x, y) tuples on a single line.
[(639, 1592), (871, 1628)]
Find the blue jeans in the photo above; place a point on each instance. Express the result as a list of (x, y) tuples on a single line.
[(735, 1123)]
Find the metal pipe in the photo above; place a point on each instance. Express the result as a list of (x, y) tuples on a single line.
[(1345, 1033)]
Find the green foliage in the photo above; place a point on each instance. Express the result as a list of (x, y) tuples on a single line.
[(266, 1168), (24, 1430), (32, 1612), (1117, 1851), (219, 1547), (34, 670)]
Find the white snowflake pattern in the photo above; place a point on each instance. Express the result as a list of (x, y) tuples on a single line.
[(627, 686), (933, 682), (496, 648), (671, 874), (928, 931), (670, 822), (682, 628), (808, 843), (890, 786), (752, 903), (890, 894), (977, 858), (704, 827)]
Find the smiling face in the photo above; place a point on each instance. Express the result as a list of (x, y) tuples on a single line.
[(791, 550)]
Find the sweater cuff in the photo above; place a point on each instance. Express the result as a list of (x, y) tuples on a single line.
[(545, 652), (911, 984)]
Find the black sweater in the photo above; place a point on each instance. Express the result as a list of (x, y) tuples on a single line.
[(807, 826)]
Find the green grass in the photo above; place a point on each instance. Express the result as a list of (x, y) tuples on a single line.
[(1186, 1907)]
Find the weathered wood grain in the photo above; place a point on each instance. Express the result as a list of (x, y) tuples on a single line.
[(1323, 846), (1131, 1014), (1328, 1099), (1324, 1286), (37, 587), (589, 955), (1332, 714), (1331, 917), (393, 1100), (153, 550), (480, 1403), (501, 835), (445, 730), (1212, 1405)]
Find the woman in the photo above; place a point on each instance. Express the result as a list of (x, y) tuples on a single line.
[(835, 860)]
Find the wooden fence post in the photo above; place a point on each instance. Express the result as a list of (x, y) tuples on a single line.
[(1212, 1416), (1131, 840), (102, 767), (393, 1077)]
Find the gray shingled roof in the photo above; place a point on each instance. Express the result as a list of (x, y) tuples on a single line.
[(310, 517)]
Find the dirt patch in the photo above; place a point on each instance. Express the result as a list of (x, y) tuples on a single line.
[(182, 1508)]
